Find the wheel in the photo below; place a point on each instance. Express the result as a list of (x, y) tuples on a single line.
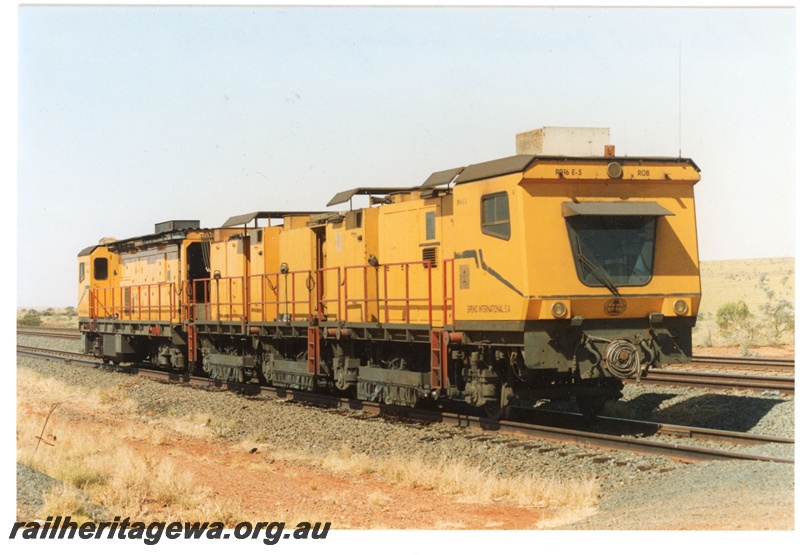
[(494, 411), (591, 406)]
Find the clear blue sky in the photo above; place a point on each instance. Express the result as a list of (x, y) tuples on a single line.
[(132, 116)]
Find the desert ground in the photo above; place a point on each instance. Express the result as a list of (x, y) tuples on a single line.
[(750, 281)]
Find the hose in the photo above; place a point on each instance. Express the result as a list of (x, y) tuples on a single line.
[(622, 359)]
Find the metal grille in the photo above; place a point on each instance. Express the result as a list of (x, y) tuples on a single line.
[(429, 255)]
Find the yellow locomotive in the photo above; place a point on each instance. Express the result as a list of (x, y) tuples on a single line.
[(497, 284)]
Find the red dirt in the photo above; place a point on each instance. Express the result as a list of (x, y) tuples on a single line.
[(272, 488)]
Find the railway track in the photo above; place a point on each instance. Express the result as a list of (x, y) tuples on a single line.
[(756, 382), (573, 434), (750, 362), (59, 333)]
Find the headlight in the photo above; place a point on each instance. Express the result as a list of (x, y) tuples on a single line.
[(559, 309), (680, 307), (614, 170)]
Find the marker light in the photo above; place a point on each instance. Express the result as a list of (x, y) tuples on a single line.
[(680, 307), (559, 309)]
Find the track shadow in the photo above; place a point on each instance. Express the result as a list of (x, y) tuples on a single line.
[(642, 407), (723, 412)]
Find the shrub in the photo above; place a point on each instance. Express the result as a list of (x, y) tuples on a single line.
[(31, 318), (779, 317), (737, 324)]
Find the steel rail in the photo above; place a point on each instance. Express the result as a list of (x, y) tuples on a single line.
[(528, 430), (660, 376), (744, 361), (60, 333), (642, 427)]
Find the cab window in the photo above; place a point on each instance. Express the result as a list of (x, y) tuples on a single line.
[(495, 219), (81, 272), (611, 251), (100, 270)]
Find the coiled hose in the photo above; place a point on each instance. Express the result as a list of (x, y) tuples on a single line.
[(622, 359)]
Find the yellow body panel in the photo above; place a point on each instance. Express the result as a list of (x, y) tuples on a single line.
[(551, 172), (227, 288), (90, 279), (475, 275), (150, 284), (264, 267), (146, 282), (349, 283), (296, 288), (520, 277), (414, 233), (490, 273)]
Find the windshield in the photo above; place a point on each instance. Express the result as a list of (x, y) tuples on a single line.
[(610, 251)]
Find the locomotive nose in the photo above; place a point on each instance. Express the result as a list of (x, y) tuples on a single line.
[(622, 358)]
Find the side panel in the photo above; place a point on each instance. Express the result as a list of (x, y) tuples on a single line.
[(296, 287), (150, 282), (412, 246), (264, 269), (491, 270), (96, 270), (227, 287), (349, 281)]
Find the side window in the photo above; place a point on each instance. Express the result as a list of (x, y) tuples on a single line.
[(100, 270), (430, 226), (81, 272), (352, 219), (495, 219)]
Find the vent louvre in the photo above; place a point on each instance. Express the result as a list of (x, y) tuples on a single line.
[(429, 255)]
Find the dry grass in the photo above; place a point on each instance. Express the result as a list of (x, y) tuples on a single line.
[(109, 458), (455, 477), (197, 425), (65, 501), (100, 459)]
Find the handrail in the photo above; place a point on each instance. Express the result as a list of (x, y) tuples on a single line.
[(305, 294), (126, 302), (407, 299), (213, 305), (289, 302), (452, 296)]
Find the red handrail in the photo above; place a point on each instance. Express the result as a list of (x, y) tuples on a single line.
[(282, 293), (289, 301), (128, 303), (225, 309)]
